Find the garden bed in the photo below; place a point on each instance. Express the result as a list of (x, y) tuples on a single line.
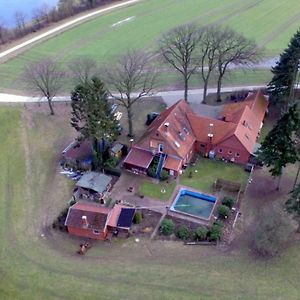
[(149, 222)]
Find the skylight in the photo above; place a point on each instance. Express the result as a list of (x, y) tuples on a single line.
[(185, 130), (182, 136), (177, 144)]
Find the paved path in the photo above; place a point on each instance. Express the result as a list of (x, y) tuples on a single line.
[(65, 26), (170, 97)]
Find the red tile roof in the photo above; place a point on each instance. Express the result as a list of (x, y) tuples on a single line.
[(139, 157), (96, 215), (172, 129), (173, 163)]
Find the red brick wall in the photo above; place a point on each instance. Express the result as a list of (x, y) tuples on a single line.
[(232, 148), (88, 233)]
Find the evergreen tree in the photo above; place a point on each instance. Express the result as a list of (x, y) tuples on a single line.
[(91, 116), (281, 87), (278, 148), (293, 204)]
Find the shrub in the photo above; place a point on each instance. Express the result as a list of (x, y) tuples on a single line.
[(218, 223), (228, 201), (273, 230), (137, 219), (152, 171), (223, 211), (183, 232), (215, 232), (167, 227), (111, 162), (200, 233), (164, 175)]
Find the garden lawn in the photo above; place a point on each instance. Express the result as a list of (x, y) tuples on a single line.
[(206, 172), (37, 262), (154, 190), (271, 25)]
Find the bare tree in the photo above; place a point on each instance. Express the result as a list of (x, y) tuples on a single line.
[(4, 35), (20, 22), (83, 69), (129, 80), (178, 48), (235, 49), (210, 43), (45, 77)]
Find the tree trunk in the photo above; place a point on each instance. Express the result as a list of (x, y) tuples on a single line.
[(297, 175), (278, 182), (186, 84), (205, 91), (50, 106), (97, 155), (129, 115), (219, 86)]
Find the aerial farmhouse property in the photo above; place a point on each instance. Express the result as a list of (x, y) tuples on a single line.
[(178, 133)]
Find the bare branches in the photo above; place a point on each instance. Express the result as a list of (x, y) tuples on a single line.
[(131, 78), (83, 69), (234, 48), (178, 48), (45, 77)]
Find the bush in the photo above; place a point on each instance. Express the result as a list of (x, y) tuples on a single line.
[(138, 217), (228, 201), (167, 227), (200, 233), (164, 175), (273, 230), (183, 232), (215, 232), (152, 171), (223, 211), (218, 223), (111, 162)]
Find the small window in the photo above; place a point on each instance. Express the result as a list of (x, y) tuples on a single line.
[(220, 150), (185, 130), (247, 136), (181, 136), (160, 147), (237, 154), (202, 145), (229, 152), (177, 144), (95, 231)]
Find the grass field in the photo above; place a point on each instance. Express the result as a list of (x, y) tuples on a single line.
[(206, 172), (270, 24), (33, 266)]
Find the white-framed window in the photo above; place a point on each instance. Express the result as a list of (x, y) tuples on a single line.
[(237, 154), (160, 147), (229, 152), (96, 231), (202, 145), (185, 130), (220, 150)]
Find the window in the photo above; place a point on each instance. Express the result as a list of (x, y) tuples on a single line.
[(177, 144), (160, 147), (182, 136), (229, 152), (237, 154), (220, 150), (202, 145), (95, 231), (185, 130), (247, 136)]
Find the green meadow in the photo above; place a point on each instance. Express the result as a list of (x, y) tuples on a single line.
[(270, 23)]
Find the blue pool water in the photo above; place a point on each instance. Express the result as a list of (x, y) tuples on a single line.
[(193, 203)]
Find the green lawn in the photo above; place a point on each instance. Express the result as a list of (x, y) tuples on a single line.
[(206, 172), (271, 25), (33, 266), (154, 190)]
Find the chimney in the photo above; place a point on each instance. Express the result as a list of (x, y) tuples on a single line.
[(167, 124), (84, 221)]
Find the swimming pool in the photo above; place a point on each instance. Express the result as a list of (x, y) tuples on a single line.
[(194, 204)]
